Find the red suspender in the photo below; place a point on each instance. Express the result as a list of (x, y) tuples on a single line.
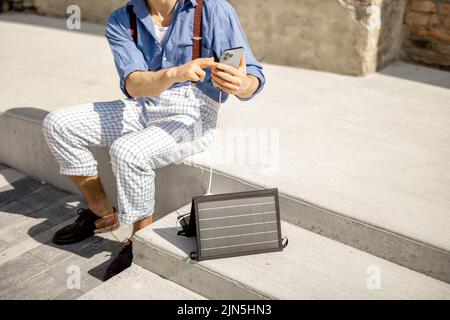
[(197, 40), (133, 23)]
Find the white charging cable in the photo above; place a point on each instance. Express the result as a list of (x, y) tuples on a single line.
[(211, 162)]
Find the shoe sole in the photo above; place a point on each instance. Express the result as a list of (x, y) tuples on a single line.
[(68, 242), (98, 231), (107, 229)]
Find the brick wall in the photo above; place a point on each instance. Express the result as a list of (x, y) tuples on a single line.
[(427, 32)]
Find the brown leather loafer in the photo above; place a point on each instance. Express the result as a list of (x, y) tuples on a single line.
[(107, 223)]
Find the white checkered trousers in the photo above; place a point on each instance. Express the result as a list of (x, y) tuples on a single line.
[(141, 134)]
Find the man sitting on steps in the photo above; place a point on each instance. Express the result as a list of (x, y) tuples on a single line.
[(170, 112)]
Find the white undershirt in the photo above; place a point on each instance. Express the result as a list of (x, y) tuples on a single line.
[(161, 33)]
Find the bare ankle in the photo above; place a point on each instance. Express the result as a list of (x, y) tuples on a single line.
[(94, 194), (102, 210), (141, 224)]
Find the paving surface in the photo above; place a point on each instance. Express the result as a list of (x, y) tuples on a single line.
[(374, 149), (31, 267)]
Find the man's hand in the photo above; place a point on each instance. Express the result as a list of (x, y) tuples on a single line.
[(153, 83), (234, 81), (193, 71)]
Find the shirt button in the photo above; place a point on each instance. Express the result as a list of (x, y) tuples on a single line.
[(164, 59)]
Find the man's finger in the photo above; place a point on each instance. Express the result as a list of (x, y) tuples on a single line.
[(194, 77), (227, 69), (200, 73), (218, 85), (225, 84), (205, 63), (227, 77), (243, 63)]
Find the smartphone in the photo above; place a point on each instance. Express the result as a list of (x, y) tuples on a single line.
[(232, 57)]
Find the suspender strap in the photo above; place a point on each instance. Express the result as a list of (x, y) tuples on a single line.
[(133, 23), (197, 40)]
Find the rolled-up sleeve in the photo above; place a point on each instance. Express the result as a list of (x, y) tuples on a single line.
[(228, 33), (127, 57)]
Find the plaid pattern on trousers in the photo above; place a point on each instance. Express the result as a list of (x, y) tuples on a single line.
[(142, 135)]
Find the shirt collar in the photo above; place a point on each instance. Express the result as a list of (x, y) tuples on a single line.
[(193, 2), (141, 10), (140, 3)]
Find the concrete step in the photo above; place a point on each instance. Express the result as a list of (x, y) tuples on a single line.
[(136, 283), (407, 251), (311, 267)]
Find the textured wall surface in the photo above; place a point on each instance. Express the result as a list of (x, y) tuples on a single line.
[(92, 11), (343, 36), (428, 32), (354, 37), (391, 33)]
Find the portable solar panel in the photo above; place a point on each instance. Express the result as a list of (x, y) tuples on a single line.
[(236, 224)]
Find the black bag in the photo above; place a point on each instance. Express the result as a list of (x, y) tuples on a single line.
[(187, 223)]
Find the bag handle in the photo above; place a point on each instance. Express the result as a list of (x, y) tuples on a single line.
[(196, 40)]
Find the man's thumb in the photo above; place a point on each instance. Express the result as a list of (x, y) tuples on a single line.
[(243, 63)]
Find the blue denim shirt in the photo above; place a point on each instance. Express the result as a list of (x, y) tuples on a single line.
[(221, 31)]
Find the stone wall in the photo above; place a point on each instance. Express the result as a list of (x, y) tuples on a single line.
[(91, 10), (391, 35), (355, 37), (427, 25)]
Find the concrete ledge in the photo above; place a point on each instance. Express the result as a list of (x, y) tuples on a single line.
[(402, 250), (22, 146), (311, 267)]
